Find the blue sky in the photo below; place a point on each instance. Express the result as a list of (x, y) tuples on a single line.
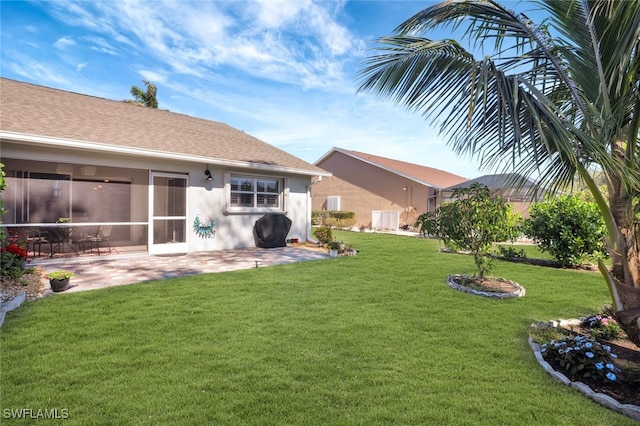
[(283, 71)]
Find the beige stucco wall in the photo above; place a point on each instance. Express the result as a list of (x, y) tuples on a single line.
[(352, 198), (363, 188)]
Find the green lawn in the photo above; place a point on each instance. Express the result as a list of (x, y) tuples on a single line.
[(374, 339)]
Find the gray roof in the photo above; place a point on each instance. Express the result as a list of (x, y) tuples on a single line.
[(494, 182), (38, 114)]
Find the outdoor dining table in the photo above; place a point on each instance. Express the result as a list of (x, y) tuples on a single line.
[(61, 237)]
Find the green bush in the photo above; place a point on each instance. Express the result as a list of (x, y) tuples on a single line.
[(333, 218), (511, 253), (569, 229), (323, 234)]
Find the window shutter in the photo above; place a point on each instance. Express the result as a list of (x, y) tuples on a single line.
[(333, 202)]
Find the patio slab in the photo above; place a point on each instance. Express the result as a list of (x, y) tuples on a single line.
[(112, 270)]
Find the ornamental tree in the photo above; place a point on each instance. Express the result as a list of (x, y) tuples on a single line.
[(473, 221)]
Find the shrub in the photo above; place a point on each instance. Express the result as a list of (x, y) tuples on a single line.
[(568, 229), (333, 218), (317, 217), (582, 357), (323, 234), (511, 253)]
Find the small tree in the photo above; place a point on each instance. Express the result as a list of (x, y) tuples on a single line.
[(568, 228), (473, 221)]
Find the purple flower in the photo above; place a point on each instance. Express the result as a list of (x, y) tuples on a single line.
[(599, 365), (589, 354), (610, 366), (611, 376)]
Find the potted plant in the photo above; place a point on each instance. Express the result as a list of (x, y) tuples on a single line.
[(334, 247), (59, 280)]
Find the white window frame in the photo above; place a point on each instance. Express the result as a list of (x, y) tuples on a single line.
[(333, 200), (282, 195)]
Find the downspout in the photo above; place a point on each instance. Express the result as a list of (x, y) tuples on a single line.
[(309, 209)]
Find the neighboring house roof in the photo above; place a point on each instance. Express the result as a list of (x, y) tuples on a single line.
[(510, 185), (428, 176), (43, 115), (500, 181)]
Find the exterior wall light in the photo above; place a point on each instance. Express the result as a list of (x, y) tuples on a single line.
[(207, 173)]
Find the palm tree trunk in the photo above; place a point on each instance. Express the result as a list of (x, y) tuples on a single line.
[(625, 255), (623, 281)]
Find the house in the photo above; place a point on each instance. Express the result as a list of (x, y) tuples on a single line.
[(512, 187), (167, 182), (383, 193)]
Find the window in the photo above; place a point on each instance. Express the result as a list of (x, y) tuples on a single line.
[(248, 192), (333, 202)]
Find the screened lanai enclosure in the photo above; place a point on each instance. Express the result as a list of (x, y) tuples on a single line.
[(76, 208)]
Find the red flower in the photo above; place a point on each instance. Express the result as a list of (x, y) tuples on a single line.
[(16, 250)]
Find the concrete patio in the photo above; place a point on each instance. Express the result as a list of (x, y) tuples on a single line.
[(120, 269)]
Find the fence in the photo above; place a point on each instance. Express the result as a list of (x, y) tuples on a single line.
[(385, 220)]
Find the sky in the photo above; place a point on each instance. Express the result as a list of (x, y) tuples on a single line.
[(284, 71)]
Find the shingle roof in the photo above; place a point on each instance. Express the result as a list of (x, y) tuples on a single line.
[(42, 111), (499, 181), (427, 175)]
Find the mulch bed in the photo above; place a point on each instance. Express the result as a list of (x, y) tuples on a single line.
[(32, 284), (488, 284)]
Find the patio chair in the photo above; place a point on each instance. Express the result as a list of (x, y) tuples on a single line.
[(36, 239), (93, 239)]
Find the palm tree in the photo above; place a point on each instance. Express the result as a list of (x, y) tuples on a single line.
[(556, 108), (144, 98)]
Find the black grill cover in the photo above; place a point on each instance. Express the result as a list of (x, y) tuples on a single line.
[(272, 230)]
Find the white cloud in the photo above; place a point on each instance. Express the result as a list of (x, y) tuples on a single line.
[(153, 76), (64, 42), (31, 69), (100, 44)]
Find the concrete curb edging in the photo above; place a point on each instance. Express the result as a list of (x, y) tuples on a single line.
[(520, 291), (629, 410), (11, 305)]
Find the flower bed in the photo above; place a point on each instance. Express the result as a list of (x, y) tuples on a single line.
[(594, 357)]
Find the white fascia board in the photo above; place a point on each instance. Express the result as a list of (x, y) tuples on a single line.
[(150, 153)]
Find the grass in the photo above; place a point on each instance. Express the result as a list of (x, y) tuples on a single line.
[(374, 339)]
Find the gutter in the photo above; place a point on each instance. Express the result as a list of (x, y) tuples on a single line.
[(150, 153)]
